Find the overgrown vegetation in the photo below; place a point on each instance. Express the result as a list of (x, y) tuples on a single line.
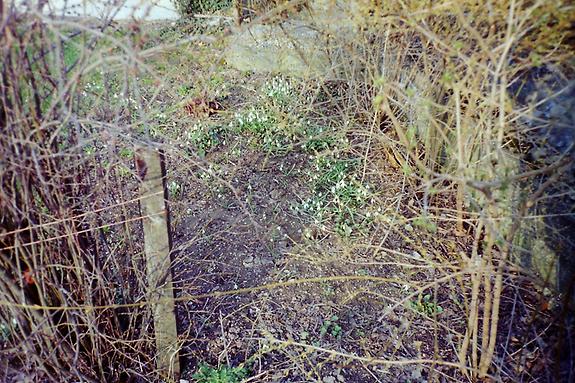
[(371, 225), (191, 7)]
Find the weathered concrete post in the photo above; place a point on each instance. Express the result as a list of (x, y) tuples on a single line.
[(157, 250)]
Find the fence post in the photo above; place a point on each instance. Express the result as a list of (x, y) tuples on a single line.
[(157, 243)]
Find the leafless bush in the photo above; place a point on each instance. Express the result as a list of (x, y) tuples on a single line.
[(64, 218)]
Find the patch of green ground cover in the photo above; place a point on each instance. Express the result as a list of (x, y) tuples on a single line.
[(319, 138), (224, 374), (191, 7), (338, 196), (203, 137), (276, 121), (264, 128), (266, 122), (279, 91), (73, 50), (165, 33), (56, 64)]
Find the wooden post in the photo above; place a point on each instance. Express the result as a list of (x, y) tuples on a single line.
[(160, 292)]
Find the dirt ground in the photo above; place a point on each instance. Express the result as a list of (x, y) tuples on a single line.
[(354, 304)]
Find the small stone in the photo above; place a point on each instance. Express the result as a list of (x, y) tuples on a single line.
[(248, 261)]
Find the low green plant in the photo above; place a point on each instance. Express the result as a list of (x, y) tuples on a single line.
[(266, 130), (318, 138), (210, 179), (338, 196), (425, 223), (279, 91), (174, 189), (224, 374), (5, 332), (256, 121), (89, 150), (205, 137), (327, 289), (126, 153), (276, 126), (185, 90), (425, 305), (124, 171), (331, 326)]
